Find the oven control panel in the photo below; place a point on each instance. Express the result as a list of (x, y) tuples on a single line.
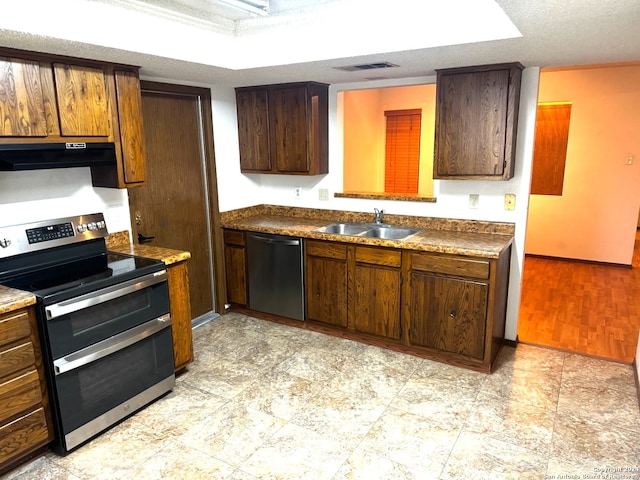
[(17, 239), (50, 232)]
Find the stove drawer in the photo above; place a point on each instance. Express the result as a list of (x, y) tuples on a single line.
[(19, 394)]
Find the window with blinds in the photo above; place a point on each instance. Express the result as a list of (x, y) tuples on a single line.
[(402, 150)]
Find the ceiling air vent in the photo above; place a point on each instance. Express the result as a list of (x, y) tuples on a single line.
[(366, 66)]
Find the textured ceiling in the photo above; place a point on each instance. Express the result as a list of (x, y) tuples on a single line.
[(194, 41)]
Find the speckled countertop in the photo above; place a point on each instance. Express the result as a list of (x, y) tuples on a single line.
[(451, 236), (12, 299)]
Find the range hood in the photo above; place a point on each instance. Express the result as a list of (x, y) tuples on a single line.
[(37, 156)]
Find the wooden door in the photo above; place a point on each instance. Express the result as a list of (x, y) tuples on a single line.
[(171, 206), (448, 314)]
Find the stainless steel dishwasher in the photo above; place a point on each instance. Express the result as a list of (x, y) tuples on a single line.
[(276, 277)]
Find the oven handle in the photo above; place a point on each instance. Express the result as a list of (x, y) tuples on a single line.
[(104, 295), (110, 345)]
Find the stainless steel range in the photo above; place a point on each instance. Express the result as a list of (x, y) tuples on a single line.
[(103, 320)]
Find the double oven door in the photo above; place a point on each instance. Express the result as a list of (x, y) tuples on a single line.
[(108, 353)]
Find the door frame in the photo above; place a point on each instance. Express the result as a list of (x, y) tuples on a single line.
[(213, 211)]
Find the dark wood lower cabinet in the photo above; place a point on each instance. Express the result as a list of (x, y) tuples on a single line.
[(374, 305), (448, 314), (25, 419), (326, 282), (235, 259), (450, 308)]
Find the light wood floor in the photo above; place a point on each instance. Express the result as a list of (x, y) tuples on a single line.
[(582, 307)]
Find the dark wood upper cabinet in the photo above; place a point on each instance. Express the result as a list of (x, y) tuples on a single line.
[(283, 128), (51, 99), (21, 102), (476, 122)]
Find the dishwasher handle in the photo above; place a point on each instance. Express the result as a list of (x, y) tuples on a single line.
[(276, 241)]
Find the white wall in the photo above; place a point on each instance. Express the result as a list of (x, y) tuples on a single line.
[(596, 216), (37, 195), (236, 190)]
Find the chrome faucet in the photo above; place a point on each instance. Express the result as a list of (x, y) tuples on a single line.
[(379, 214)]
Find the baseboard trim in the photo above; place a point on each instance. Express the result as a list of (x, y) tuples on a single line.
[(510, 343), (577, 260)]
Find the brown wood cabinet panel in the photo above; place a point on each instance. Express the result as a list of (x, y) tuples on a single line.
[(17, 358), (378, 256), (180, 314), (235, 258), (14, 326), (450, 265), (326, 283), (83, 104), (234, 237), (289, 123), (253, 130), (448, 314), (19, 394), (21, 102), (476, 122), (283, 128), (131, 126), (376, 301), (23, 436)]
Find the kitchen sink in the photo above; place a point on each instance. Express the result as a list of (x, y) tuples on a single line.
[(369, 230), (390, 233), (344, 228)]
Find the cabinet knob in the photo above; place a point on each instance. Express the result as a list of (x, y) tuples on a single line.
[(453, 314)]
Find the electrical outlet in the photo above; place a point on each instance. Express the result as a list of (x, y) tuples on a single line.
[(297, 193), (323, 194), (509, 201), (474, 200)]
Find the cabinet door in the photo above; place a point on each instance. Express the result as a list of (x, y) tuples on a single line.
[(180, 315), (326, 282), (253, 130), (448, 314), (83, 104), (235, 258), (132, 142), (21, 101), (376, 301), (476, 120), (289, 124)]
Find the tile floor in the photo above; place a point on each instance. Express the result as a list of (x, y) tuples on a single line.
[(266, 401)]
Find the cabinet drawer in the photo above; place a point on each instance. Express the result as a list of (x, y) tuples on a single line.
[(18, 394), (326, 249), (14, 326), (378, 256), (449, 265), (23, 435), (234, 237), (17, 358)]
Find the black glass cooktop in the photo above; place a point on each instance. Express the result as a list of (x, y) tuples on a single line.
[(85, 274)]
